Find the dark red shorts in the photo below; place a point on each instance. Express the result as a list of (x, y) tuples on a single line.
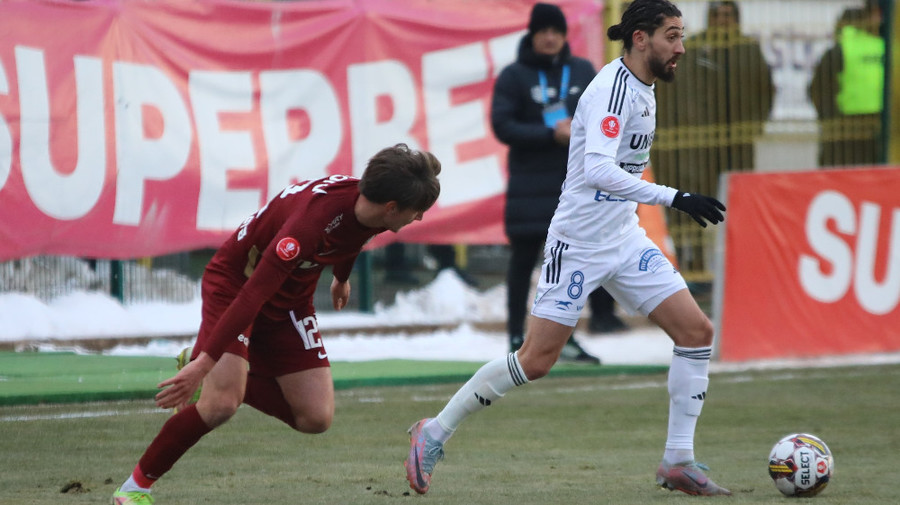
[(273, 348)]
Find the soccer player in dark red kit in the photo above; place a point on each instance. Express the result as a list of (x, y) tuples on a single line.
[(259, 342)]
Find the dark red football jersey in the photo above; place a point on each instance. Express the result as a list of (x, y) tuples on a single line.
[(273, 261)]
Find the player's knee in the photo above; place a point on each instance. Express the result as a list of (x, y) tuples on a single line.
[(535, 367), (701, 335), (706, 333), (312, 424), (218, 412), (536, 372)]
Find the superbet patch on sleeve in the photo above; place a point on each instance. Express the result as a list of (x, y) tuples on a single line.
[(287, 248)]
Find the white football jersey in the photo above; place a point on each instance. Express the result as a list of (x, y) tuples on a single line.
[(612, 131)]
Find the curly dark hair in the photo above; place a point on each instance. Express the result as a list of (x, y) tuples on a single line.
[(642, 15)]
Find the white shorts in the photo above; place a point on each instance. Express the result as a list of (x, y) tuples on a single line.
[(636, 273)]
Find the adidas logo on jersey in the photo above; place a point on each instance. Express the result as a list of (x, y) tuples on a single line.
[(700, 396), (646, 112)]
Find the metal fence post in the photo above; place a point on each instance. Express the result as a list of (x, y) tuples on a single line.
[(116, 280), (366, 288)]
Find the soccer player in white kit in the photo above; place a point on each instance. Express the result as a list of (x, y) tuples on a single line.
[(594, 239)]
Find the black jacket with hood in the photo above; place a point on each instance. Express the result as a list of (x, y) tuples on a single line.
[(537, 163)]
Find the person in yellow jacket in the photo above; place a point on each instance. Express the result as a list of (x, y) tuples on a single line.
[(848, 90)]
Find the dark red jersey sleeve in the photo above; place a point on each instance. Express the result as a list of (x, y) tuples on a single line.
[(262, 284), (341, 271)]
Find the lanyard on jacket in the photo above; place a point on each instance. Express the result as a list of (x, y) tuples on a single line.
[(563, 85)]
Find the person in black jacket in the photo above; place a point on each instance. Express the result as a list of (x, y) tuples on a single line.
[(531, 111)]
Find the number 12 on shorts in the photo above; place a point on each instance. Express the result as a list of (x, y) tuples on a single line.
[(308, 328)]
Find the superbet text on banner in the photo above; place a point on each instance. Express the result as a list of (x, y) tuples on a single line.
[(157, 130), (812, 264)]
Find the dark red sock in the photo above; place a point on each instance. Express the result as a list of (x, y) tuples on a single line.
[(179, 434), (264, 394)]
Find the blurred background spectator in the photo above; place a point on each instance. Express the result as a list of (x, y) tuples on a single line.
[(848, 90)]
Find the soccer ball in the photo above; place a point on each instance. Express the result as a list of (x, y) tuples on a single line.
[(801, 465)]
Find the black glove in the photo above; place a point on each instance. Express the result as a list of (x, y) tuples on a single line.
[(699, 207)]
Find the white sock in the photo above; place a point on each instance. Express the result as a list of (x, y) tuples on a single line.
[(130, 486), (688, 380), (434, 430), (489, 383)]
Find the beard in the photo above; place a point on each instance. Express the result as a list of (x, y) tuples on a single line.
[(660, 70)]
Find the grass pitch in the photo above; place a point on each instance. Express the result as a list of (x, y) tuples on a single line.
[(566, 440), (66, 377)]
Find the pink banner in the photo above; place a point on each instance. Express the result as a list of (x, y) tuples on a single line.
[(812, 264), (132, 128)]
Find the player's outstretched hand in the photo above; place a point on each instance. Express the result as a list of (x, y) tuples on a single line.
[(699, 207), (179, 389)]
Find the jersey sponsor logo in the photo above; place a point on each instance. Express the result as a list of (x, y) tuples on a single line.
[(334, 223), (600, 196), (610, 126), (244, 340), (642, 141), (652, 260), (287, 248), (633, 168)]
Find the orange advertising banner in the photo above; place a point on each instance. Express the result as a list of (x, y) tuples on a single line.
[(811, 264)]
